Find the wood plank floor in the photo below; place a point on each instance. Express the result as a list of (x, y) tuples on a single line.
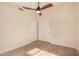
[(42, 48)]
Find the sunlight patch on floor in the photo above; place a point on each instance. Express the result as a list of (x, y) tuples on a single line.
[(39, 52)]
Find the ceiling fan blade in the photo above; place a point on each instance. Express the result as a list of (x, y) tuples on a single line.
[(46, 6), (20, 9), (29, 8)]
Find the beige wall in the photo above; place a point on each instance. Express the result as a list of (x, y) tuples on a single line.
[(16, 27), (78, 25), (58, 25)]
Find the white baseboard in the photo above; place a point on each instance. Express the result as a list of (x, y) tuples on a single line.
[(16, 46), (60, 44)]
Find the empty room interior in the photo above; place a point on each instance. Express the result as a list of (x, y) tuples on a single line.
[(39, 29)]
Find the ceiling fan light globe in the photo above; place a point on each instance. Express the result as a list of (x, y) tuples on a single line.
[(38, 11)]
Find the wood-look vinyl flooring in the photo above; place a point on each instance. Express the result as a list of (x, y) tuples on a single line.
[(42, 48)]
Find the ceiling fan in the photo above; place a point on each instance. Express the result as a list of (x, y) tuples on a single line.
[(38, 9)]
